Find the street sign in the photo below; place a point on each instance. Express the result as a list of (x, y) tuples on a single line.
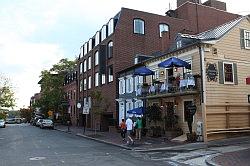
[(85, 110), (79, 105)]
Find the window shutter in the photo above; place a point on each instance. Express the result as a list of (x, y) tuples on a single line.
[(235, 74), (221, 74), (242, 42)]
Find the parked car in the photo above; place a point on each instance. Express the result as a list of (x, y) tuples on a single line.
[(2, 123), (47, 123), (10, 121), (38, 123)]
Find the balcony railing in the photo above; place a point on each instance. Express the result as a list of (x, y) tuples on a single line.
[(182, 87)]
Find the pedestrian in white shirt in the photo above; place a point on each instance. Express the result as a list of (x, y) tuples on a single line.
[(129, 124)]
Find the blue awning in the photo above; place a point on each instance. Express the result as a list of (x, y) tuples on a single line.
[(137, 111), (143, 71), (174, 62)]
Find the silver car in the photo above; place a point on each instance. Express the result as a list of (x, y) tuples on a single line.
[(2, 123), (47, 123)]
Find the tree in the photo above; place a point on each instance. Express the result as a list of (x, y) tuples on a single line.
[(26, 113), (7, 99), (98, 105), (52, 80)]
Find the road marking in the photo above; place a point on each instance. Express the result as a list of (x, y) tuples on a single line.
[(37, 158)]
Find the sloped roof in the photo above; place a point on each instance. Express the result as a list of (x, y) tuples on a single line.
[(216, 32)]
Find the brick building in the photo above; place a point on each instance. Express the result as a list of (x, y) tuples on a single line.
[(130, 33)]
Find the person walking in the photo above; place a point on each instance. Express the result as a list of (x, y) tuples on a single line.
[(138, 128), (123, 129), (129, 124)]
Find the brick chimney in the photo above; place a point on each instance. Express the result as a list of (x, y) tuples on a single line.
[(165, 40), (216, 4), (180, 2)]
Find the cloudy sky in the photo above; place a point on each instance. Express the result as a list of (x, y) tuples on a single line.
[(34, 34)]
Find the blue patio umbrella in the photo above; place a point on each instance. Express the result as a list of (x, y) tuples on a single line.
[(174, 62), (137, 111), (143, 71)]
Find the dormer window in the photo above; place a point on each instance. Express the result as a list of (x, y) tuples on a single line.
[(178, 44), (163, 28), (139, 26)]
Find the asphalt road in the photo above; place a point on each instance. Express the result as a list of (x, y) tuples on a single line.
[(25, 145)]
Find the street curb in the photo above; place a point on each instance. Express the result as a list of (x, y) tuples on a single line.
[(102, 141), (209, 160), (69, 132)]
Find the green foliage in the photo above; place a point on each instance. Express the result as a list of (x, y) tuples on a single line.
[(52, 80), (2, 115), (7, 99), (153, 113)]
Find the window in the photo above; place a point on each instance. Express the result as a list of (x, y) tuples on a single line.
[(138, 103), (129, 85), (163, 28), (138, 82), (89, 63), (81, 85), (97, 38), (85, 84), (139, 26), (84, 65), (247, 39), (90, 44), (110, 73), (186, 104), (89, 84), (129, 105), (96, 58), (104, 32), (110, 49), (121, 86), (85, 48), (186, 72), (110, 26), (228, 72), (103, 79), (178, 44), (81, 52), (80, 68), (96, 79)]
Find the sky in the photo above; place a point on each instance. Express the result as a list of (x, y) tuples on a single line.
[(35, 34)]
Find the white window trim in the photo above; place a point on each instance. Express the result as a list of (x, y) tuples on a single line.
[(245, 43), (96, 58), (143, 26), (84, 84), (89, 62), (103, 79), (89, 82), (85, 65), (96, 79), (225, 82), (121, 86), (127, 105)]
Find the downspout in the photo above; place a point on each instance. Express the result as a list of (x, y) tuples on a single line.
[(203, 91)]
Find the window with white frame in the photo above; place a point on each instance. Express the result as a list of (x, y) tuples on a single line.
[(80, 68), (110, 49), (138, 81), (247, 39), (84, 84), (96, 58), (81, 52), (81, 85), (90, 44), (89, 102), (163, 28), (139, 26), (103, 79), (96, 79), (129, 84), (89, 62), (129, 105), (121, 86), (97, 38), (178, 44), (85, 48), (89, 83), (110, 26), (110, 73), (138, 103), (84, 65), (104, 32), (228, 72)]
